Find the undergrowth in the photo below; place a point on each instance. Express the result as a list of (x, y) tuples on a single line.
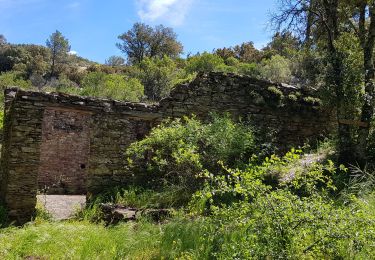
[(289, 207)]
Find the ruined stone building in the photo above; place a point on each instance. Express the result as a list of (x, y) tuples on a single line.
[(75, 145)]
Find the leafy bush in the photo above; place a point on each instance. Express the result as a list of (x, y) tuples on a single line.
[(204, 62), (250, 69), (13, 79), (177, 151), (268, 222), (115, 86), (277, 69), (159, 76), (42, 215)]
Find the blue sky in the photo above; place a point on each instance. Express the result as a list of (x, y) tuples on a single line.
[(92, 26)]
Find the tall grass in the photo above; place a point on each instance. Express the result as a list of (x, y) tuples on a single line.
[(80, 240)]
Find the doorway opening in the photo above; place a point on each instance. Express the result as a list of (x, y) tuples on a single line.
[(64, 154)]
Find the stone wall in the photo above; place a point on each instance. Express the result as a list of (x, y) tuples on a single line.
[(74, 145), (70, 144), (292, 115)]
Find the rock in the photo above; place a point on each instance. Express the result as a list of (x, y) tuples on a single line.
[(156, 215), (113, 214)]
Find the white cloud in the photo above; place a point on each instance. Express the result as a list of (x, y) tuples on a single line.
[(73, 52), (169, 11)]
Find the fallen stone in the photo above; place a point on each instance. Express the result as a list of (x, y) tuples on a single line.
[(113, 214)]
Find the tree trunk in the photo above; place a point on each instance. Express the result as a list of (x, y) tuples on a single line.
[(309, 23), (345, 140), (368, 105)]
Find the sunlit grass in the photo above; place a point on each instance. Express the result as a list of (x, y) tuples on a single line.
[(80, 240)]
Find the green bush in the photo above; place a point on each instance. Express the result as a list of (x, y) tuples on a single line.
[(114, 86), (277, 69), (178, 151), (159, 76), (268, 222), (205, 62), (42, 215), (12, 79), (249, 69)]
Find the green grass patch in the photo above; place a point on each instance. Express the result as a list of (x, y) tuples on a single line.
[(80, 240)]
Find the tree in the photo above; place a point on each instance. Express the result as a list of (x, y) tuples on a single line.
[(246, 52), (205, 62), (158, 75), (144, 41), (284, 44), (277, 69), (114, 86), (115, 61), (3, 40), (59, 47), (366, 35), (320, 18), (323, 22)]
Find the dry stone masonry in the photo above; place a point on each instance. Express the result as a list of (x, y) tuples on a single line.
[(63, 144)]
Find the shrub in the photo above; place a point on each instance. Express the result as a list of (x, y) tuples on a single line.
[(204, 62), (42, 215), (292, 97), (266, 222), (249, 69), (312, 101), (159, 76), (115, 86), (276, 69), (177, 151), (277, 93), (13, 79)]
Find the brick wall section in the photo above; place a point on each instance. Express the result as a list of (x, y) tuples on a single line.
[(48, 137), (64, 151)]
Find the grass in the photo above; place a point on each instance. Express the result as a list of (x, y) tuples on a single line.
[(80, 240), (181, 238), (173, 196)]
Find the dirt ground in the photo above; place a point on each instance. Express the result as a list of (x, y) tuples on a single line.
[(62, 206)]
